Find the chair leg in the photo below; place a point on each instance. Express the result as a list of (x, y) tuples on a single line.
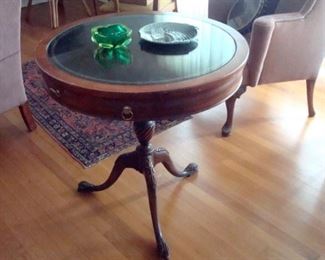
[(176, 6), (54, 13), (27, 116), (230, 105), (310, 96), (155, 6), (89, 13), (29, 6), (117, 5), (95, 7)]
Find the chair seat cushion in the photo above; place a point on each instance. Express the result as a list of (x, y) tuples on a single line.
[(243, 13)]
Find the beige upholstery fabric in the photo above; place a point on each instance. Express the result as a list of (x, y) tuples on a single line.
[(9, 27), (286, 46), (290, 6), (11, 84)]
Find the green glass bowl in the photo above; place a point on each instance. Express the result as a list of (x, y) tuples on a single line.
[(111, 36)]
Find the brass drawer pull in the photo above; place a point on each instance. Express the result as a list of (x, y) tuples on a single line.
[(127, 113), (56, 92)]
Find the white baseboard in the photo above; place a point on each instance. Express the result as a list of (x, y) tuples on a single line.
[(35, 2)]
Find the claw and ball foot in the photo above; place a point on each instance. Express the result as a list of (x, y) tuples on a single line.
[(149, 173), (163, 250), (161, 155), (85, 186), (190, 169), (143, 159)]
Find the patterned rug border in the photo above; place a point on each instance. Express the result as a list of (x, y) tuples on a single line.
[(49, 115)]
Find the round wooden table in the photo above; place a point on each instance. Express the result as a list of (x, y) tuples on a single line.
[(143, 83)]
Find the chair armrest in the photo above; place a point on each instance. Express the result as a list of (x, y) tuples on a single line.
[(219, 9), (279, 18), (280, 47)]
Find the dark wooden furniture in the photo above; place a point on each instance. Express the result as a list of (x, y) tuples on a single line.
[(54, 11), (27, 116), (286, 46), (155, 82)]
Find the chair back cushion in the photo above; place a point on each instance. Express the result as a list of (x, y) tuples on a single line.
[(289, 6), (243, 13)]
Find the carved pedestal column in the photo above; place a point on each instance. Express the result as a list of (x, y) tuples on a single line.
[(143, 159)]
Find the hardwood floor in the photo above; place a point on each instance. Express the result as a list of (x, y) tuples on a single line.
[(259, 194)]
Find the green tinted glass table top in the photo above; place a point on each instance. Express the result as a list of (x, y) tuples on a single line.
[(142, 63)]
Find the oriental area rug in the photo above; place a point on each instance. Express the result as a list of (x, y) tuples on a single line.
[(88, 139)]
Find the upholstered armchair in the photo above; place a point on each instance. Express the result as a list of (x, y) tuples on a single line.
[(286, 46), (12, 92)]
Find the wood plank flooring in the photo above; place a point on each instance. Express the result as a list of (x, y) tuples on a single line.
[(259, 194)]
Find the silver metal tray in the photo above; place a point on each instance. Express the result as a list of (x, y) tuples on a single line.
[(168, 33)]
